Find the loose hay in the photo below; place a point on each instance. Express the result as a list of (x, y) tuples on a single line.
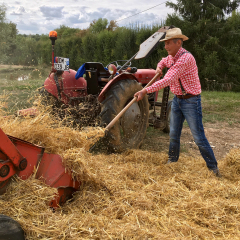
[(45, 131), (133, 195)]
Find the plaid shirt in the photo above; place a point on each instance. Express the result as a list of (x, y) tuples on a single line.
[(182, 66)]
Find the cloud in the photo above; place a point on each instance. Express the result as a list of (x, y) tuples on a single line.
[(28, 27), (52, 12), (123, 17), (75, 19), (144, 18), (86, 15), (42, 16), (20, 11)]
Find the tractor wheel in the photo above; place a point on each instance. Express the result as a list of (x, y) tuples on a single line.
[(10, 229), (167, 128), (47, 99), (85, 113), (130, 130)]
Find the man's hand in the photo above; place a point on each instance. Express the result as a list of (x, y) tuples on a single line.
[(159, 70), (140, 95)]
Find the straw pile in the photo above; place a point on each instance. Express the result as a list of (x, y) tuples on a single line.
[(133, 195)]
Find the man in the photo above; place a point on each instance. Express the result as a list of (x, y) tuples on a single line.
[(183, 79)]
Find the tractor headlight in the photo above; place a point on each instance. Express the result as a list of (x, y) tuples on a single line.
[(112, 69)]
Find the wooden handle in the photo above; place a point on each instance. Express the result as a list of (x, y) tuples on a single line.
[(129, 104), (120, 114), (153, 80)]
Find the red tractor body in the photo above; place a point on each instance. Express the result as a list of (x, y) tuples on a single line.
[(145, 75), (69, 87), (102, 89), (93, 94), (22, 158)]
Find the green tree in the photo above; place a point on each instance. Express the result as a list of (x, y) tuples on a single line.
[(204, 21), (96, 26), (26, 51), (194, 10), (8, 32), (64, 31), (112, 25)]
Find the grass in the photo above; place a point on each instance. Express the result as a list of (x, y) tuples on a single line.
[(19, 85), (218, 106), (221, 107)]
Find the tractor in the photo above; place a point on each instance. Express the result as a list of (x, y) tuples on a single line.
[(96, 94)]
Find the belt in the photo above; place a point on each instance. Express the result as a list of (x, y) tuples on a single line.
[(186, 96)]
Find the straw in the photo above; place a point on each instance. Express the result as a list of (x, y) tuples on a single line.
[(133, 195)]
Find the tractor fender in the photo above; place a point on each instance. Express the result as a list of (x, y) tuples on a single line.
[(117, 78), (144, 76), (69, 87)]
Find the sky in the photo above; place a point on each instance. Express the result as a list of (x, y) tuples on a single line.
[(42, 16)]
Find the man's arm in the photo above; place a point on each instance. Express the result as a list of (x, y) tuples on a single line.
[(163, 63)]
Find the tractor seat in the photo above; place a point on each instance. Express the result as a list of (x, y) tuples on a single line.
[(96, 66)]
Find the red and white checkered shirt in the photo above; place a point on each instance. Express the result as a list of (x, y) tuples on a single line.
[(182, 66)]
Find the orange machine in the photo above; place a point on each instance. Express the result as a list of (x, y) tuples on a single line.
[(18, 157)]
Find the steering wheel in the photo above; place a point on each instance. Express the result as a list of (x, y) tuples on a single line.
[(118, 65)]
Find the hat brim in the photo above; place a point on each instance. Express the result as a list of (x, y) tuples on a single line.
[(184, 38)]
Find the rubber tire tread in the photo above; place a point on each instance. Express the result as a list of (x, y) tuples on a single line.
[(10, 229), (124, 91)]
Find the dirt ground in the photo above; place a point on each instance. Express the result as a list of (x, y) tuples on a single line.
[(10, 66), (221, 137)]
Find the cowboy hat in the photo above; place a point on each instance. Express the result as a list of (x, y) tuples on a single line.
[(174, 33)]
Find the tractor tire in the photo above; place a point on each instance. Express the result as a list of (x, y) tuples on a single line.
[(83, 114), (167, 128), (130, 129), (47, 99), (10, 229)]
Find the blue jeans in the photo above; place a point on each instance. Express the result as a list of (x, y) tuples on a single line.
[(191, 110)]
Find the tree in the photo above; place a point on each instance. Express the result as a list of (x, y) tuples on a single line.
[(204, 21), (64, 31), (112, 25), (194, 10), (8, 32), (26, 52), (96, 26)]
